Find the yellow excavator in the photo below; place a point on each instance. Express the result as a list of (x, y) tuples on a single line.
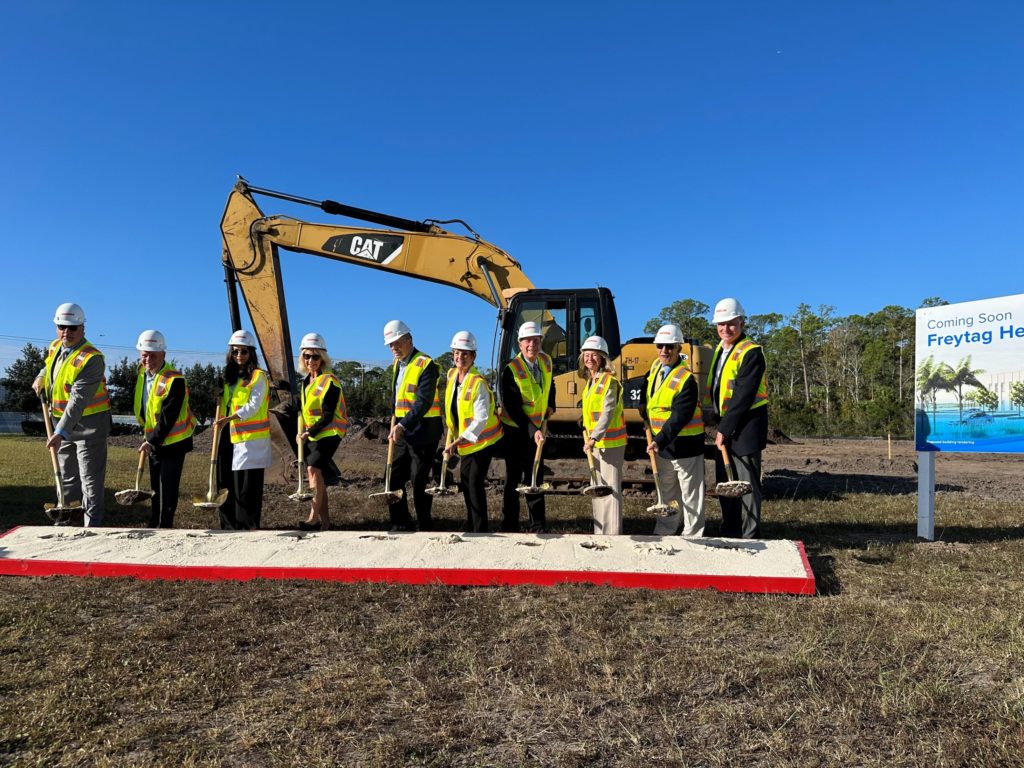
[(424, 250)]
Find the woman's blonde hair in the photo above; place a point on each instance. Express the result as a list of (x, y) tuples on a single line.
[(325, 367), (583, 373)]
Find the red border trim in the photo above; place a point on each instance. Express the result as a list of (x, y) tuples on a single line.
[(449, 576)]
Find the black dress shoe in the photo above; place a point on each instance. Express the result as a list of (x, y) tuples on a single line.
[(306, 526)]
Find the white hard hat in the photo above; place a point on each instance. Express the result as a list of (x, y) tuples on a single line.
[(394, 330), (465, 341), (528, 330), (242, 339), (596, 344), (313, 341), (728, 309), (69, 314), (151, 341), (668, 334)]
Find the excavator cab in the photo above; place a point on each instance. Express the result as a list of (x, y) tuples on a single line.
[(567, 318)]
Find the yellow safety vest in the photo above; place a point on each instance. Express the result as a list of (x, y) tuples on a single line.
[(312, 406), (58, 391), (727, 383), (184, 425), (593, 402), (257, 426), (659, 399), (535, 396), (407, 387), (467, 394)]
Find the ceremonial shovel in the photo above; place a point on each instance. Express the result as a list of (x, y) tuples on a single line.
[(132, 495), (302, 493), (442, 489), (596, 488), (734, 488), (661, 508), (59, 512), (534, 488), (213, 499), (387, 494)]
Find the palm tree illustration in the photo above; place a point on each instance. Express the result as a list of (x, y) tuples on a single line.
[(931, 379), (960, 376)]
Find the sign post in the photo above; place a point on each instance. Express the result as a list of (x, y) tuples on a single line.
[(969, 387)]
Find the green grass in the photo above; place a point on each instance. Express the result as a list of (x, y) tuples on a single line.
[(913, 654)]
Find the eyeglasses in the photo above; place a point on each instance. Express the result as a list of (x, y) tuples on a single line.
[(69, 328), (665, 346), (306, 356), (242, 351)]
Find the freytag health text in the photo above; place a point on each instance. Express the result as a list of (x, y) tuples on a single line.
[(1003, 332)]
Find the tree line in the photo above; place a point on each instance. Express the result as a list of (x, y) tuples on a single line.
[(828, 375)]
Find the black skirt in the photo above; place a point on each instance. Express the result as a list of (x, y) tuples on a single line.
[(319, 452)]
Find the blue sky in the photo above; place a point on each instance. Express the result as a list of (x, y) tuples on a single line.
[(851, 154)]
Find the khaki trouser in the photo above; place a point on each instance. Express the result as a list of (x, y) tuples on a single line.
[(608, 510), (682, 480)]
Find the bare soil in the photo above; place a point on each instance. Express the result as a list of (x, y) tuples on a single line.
[(793, 467)]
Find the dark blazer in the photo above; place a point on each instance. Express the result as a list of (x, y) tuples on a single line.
[(672, 445), (746, 429), (166, 419), (512, 403), (417, 428)]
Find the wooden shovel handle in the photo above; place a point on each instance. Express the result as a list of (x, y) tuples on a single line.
[(391, 443), (728, 465), (49, 432), (590, 456), (216, 433), (650, 439)]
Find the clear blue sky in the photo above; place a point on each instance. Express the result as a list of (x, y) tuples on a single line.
[(856, 154)]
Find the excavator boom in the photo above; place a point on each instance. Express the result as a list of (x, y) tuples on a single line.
[(416, 249)]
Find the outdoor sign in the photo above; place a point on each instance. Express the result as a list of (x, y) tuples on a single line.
[(969, 366)]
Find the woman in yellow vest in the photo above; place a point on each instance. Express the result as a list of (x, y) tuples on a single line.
[(473, 428), (606, 431), (245, 405), (323, 421)]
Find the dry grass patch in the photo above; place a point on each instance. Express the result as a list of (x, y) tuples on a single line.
[(913, 654)]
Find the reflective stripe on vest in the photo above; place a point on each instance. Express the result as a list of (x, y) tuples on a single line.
[(59, 391), (467, 394), (312, 406), (535, 396), (730, 368), (257, 426), (410, 382), (593, 403), (659, 399), (184, 425)]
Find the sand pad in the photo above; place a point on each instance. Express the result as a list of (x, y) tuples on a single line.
[(658, 562)]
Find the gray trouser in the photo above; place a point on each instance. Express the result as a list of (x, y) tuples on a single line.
[(741, 518), (682, 481), (83, 467)]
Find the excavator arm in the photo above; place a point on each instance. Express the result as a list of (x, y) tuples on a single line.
[(416, 249)]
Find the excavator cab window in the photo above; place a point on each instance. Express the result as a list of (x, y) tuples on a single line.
[(552, 314)]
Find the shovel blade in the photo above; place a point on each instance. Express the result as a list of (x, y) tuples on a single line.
[(132, 496), (301, 496), (211, 500), (598, 490), (439, 491), (664, 510), (534, 489), (389, 497), (734, 489)]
